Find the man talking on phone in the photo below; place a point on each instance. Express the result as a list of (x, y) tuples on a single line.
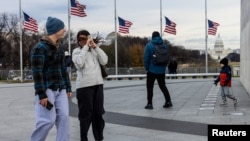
[(52, 84)]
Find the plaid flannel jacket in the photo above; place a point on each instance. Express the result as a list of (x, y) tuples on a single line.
[(48, 68)]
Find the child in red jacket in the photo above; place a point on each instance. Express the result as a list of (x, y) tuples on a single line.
[(225, 82)]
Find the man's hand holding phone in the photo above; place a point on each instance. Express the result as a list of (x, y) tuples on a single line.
[(45, 102)]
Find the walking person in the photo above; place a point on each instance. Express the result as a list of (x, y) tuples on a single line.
[(52, 84), (87, 58), (172, 67), (155, 71), (225, 79)]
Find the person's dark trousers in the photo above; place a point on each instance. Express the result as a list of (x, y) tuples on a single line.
[(173, 72), (161, 82), (91, 110)]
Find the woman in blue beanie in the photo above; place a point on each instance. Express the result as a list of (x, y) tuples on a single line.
[(51, 83)]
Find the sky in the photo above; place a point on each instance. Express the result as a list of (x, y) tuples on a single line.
[(189, 15)]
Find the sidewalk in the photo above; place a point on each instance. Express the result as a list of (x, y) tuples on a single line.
[(195, 105)]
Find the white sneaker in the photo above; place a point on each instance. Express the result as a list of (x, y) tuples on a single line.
[(223, 103), (235, 101)]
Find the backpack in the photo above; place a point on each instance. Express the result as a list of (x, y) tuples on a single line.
[(161, 56)]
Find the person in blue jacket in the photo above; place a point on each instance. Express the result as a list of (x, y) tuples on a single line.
[(155, 72)]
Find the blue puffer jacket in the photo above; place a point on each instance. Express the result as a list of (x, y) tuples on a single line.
[(148, 57)]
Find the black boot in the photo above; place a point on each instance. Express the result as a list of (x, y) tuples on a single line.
[(168, 104), (149, 106)]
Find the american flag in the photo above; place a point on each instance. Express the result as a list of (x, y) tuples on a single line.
[(77, 9), (170, 27), (124, 25), (212, 27), (29, 23)]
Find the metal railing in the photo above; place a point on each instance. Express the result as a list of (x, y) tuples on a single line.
[(168, 76), (125, 73)]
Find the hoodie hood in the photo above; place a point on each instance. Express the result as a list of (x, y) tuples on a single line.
[(157, 40), (49, 41)]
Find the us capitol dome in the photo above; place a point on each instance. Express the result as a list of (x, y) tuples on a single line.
[(219, 52)]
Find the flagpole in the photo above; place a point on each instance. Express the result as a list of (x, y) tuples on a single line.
[(116, 60), (21, 45), (69, 45), (161, 17), (206, 35)]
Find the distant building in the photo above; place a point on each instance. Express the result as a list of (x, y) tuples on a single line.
[(219, 52), (244, 45)]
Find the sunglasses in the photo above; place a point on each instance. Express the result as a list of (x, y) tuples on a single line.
[(82, 39)]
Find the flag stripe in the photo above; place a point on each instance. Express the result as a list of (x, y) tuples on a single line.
[(29, 23), (212, 27), (124, 25), (170, 27), (77, 9)]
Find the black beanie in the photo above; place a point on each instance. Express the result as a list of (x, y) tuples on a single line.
[(224, 61), (155, 34)]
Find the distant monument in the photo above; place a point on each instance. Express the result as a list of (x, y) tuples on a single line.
[(110, 38), (219, 52)]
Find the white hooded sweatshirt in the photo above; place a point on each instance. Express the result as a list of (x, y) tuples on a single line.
[(87, 62)]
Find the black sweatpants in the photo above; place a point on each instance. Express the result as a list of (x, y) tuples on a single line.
[(91, 110), (161, 82)]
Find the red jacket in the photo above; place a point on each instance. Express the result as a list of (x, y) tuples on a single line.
[(224, 81), (225, 76)]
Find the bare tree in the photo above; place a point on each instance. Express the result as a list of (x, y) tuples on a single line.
[(8, 29), (10, 42)]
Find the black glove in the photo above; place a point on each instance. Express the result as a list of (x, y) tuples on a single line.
[(215, 82)]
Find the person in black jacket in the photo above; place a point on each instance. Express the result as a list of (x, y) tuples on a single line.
[(172, 67)]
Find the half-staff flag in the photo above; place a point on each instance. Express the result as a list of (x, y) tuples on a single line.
[(212, 27), (124, 25), (77, 9), (170, 26), (29, 23)]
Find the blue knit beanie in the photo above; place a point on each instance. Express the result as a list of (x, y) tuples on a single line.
[(53, 25)]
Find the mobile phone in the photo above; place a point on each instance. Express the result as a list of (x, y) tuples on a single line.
[(89, 37), (49, 105)]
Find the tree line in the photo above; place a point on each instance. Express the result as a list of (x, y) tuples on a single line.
[(130, 49)]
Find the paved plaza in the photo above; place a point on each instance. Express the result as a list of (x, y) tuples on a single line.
[(195, 105)]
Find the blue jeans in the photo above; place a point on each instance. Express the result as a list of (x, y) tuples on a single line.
[(226, 92)]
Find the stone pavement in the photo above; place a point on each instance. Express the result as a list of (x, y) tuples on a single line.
[(195, 105)]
